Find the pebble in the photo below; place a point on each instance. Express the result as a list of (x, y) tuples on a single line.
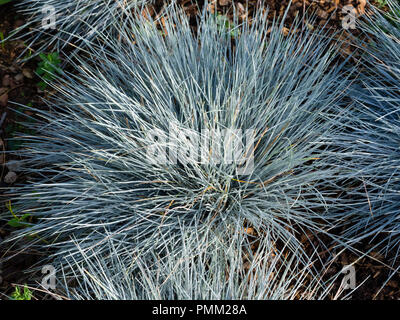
[(10, 177), (27, 73), (19, 77)]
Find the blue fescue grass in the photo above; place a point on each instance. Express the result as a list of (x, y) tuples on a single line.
[(374, 137), (216, 267), (89, 169)]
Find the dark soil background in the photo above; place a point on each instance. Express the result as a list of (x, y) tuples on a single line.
[(18, 85)]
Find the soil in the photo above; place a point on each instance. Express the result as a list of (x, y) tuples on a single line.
[(18, 87)]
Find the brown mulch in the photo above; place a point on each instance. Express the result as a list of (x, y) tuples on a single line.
[(18, 83), (375, 272), (327, 12)]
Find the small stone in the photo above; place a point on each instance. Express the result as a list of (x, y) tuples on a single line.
[(27, 73), (19, 77), (10, 177)]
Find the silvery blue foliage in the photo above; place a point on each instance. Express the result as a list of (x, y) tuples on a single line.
[(374, 137), (204, 268), (89, 164)]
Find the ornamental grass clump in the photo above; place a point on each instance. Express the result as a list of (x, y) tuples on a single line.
[(212, 130), (375, 137)]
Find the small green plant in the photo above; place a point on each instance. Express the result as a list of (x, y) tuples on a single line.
[(18, 294), (18, 222), (2, 40), (23, 221), (4, 1), (224, 23), (382, 3), (47, 68)]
